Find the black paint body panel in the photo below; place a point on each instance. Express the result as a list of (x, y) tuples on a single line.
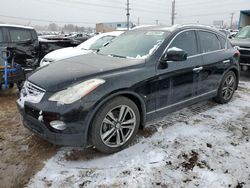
[(156, 91)]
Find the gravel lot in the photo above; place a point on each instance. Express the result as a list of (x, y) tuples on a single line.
[(205, 145)]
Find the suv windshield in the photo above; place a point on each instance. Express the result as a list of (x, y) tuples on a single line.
[(135, 44), (244, 33)]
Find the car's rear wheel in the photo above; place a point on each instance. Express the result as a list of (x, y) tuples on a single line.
[(115, 125), (227, 88)]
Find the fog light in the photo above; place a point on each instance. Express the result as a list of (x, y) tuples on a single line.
[(244, 68), (59, 125)]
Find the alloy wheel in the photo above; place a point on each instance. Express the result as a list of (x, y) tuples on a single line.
[(118, 126), (228, 87)]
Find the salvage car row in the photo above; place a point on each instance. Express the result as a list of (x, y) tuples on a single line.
[(100, 93)]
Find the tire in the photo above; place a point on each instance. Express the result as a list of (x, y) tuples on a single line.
[(227, 88), (11, 85), (111, 130)]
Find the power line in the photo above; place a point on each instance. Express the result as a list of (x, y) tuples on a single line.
[(105, 6), (43, 20), (217, 3)]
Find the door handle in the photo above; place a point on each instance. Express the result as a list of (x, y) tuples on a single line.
[(226, 61), (198, 69)]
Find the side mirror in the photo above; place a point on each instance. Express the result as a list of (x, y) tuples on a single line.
[(176, 54)]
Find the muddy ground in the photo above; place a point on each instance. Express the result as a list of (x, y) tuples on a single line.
[(22, 153)]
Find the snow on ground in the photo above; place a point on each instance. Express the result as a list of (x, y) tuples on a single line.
[(205, 145)]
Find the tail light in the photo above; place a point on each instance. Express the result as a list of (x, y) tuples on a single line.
[(237, 55)]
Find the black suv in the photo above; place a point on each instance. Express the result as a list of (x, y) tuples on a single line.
[(102, 99), (22, 46)]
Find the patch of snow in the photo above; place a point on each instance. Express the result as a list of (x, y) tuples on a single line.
[(205, 145)]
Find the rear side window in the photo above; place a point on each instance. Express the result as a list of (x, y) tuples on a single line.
[(209, 42), (222, 42), (19, 35), (187, 42), (1, 35), (34, 34)]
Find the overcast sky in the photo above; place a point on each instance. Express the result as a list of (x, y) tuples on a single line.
[(87, 13)]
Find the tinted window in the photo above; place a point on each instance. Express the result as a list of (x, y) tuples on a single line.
[(100, 42), (222, 42), (19, 35), (1, 35), (186, 41), (209, 42), (34, 34)]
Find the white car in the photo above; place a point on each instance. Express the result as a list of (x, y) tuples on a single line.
[(86, 47)]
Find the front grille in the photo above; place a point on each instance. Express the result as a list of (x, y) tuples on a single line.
[(32, 93), (32, 112), (244, 50)]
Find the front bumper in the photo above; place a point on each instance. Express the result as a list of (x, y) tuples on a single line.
[(74, 135)]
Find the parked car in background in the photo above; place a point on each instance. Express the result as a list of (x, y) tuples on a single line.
[(242, 41), (55, 42), (86, 47), (225, 32), (233, 33), (81, 37), (102, 99), (22, 45)]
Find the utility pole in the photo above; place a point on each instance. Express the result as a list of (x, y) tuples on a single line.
[(173, 12), (128, 14), (156, 22), (138, 21), (232, 19)]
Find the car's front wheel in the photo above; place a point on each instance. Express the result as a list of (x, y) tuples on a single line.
[(227, 88), (115, 125)]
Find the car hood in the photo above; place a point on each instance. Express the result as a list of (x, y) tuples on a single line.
[(241, 42), (61, 74), (66, 53)]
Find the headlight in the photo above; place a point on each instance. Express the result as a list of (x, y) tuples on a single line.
[(76, 92)]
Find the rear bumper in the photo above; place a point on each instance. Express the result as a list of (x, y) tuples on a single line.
[(54, 137)]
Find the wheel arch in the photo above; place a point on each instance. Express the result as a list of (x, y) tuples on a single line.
[(237, 74), (133, 96)]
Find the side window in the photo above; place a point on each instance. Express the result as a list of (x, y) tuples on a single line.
[(34, 35), (1, 35), (19, 35), (186, 41), (222, 42), (100, 42), (209, 42)]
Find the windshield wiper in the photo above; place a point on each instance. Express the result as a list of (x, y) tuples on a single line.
[(114, 55)]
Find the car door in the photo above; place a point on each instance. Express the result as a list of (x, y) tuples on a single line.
[(179, 81), (22, 44), (215, 61)]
